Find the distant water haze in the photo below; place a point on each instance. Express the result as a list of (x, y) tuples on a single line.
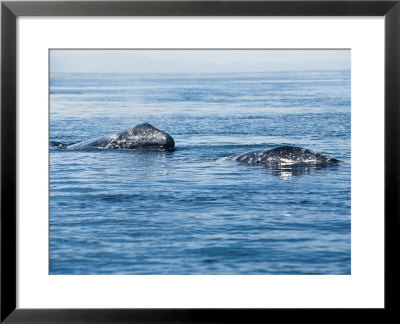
[(197, 61)]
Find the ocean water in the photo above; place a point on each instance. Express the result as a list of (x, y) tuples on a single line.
[(189, 211)]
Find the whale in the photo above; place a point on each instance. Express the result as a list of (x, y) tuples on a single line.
[(284, 157), (143, 136)]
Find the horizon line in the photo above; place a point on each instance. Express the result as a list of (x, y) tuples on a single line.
[(200, 73)]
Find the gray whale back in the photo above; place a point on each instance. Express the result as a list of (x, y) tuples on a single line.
[(284, 156), (143, 136)]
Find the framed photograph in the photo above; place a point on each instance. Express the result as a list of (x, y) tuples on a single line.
[(198, 161)]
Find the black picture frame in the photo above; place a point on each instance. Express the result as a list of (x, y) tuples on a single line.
[(10, 10)]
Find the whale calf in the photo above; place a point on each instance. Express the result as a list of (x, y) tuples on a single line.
[(143, 136), (284, 156)]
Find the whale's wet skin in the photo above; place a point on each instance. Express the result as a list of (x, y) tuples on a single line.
[(284, 157), (146, 136), (194, 211), (143, 136)]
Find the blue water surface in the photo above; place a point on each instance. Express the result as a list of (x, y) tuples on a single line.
[(189, 212)]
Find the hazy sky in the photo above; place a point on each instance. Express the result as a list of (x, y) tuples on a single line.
[(196, 61)]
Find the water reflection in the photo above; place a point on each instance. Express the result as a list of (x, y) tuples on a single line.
[(287, 172)]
